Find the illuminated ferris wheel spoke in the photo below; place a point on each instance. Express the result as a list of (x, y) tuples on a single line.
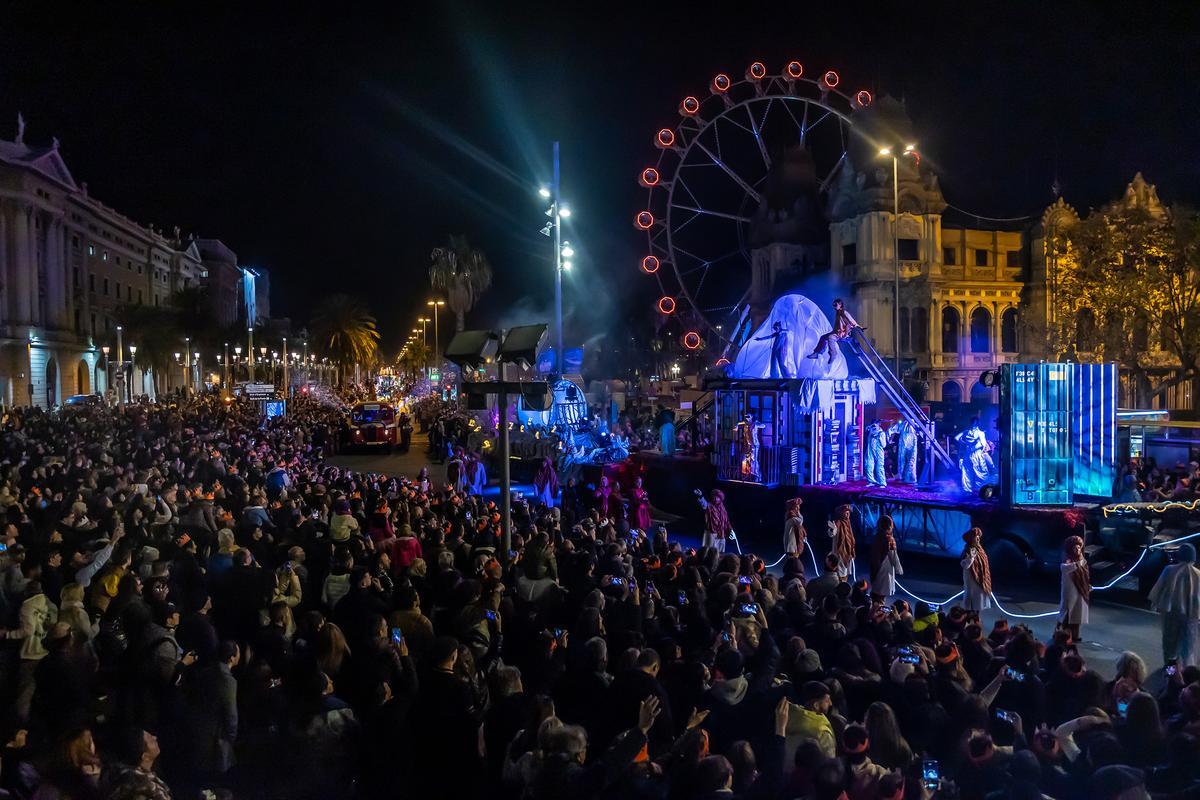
[(833, 172), (823, 117), (747, 188), (721, 214), (762, 148), (803, 126)]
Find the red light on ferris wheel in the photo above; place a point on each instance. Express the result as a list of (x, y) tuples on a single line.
[(666, 305), (665, 138), (720, 83), (863, 99), (650, 264), (649, 177), (795, 70), (689, 107), (756, 71), (644, 220), (722, 361), (692, 340), (830, 80)]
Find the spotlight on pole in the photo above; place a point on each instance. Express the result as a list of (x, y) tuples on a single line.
[(564, 212), (544, 192)]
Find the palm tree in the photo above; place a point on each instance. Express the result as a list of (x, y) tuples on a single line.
[(345, 327), (416, 357), (463, 272)]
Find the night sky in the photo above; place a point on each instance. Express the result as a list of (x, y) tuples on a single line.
[(337, 146)]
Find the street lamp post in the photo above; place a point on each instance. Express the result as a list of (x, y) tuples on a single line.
[(120, 368), (287, 385), (187, 363), (437, 351), (226, 362), (909, 149), (250, 353), (558, 212)]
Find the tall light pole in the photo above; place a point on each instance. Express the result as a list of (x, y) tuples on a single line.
[(909, 149), (557, 213), (437, 350), (287, 385), (425, 342), (226, 365), (187, 362), (120, 368), (250, 354)]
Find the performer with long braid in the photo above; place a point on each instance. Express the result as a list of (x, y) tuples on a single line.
[(977, 573), (1076, 587)]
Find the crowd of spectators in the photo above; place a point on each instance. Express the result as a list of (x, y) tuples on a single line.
[(195, 603)]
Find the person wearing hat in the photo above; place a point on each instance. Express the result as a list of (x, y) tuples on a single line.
[(1176, 595), (343, 524), (1076, 593)]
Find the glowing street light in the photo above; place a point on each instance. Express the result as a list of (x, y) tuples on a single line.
[(544, 192), (890, 152)]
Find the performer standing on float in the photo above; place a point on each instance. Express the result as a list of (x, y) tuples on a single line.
[(747, 439), (476, 474), (905, 434), (841, 531), (885, 561), (1176, 596), (1076, 588), (974, 462), (977, 573), (716, 520), (843, 327), (545, 482), (874, 456), (794, 534), (779, 343), (666, 432), (639, 507)]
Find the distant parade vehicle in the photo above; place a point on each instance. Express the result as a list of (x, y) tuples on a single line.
[(371, 425)]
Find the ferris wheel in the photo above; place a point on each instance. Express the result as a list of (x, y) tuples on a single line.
[(709, 192)]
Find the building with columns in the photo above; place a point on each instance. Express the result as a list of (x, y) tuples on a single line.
[(67, 263), (975, 293)]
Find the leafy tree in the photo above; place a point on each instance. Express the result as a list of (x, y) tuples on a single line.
[(463, 272), (344, 327), (1129, 291)]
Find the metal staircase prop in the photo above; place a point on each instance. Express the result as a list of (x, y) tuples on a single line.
[(909, 409)]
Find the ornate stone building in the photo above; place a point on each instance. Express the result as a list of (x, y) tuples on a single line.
[(974, 293), (67, 262)]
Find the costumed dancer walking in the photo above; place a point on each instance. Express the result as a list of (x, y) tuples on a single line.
[(666, 432), (603, 497), (977, 573), (876, 444), (905, 434), (1176, 596), (974, 460), (843, 327), (639, 502), (885, 561), (794, 534), (476, 474), (716, 520), (1076, 588), (545, 482), (841, 531)]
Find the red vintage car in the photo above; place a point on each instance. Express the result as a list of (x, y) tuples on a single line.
[(372, 425)]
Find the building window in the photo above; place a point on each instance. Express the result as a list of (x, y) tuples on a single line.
[(91, 249), (106, 287), (118, 260), (78, 315), (139, 269), (75, 242), (139, 297), (1008, 331), (129, 293), (920, 329), (908, 250), (1014, 258), (981, 331), (951, 392), (849, 254), (905, 333), (949, 329), (949, 256), (91, 283), (104, 256), (93, 325), (981, 258), (75, 277)]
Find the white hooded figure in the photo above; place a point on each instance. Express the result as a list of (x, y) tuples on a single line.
[(1176, 596), (804, 323), (906, 435), (875, 446), (974, 459)]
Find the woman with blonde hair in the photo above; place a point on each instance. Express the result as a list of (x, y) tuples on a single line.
[(332, 649), (74, 614)]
